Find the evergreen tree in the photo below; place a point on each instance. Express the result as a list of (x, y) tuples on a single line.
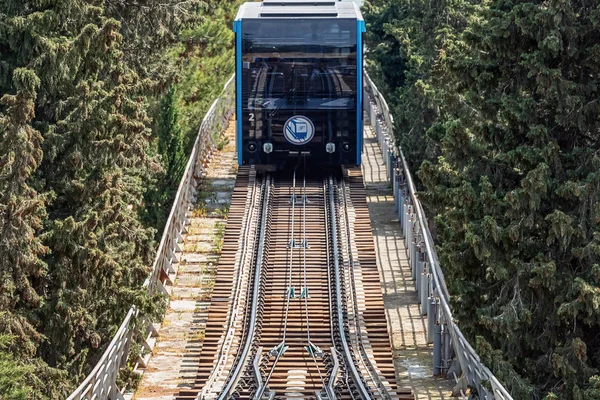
[(204, 59), (148, 28), (97, 165), (503, 96), (405, 41), (22, 211), (27, 378), (77, 156), (170, 139), (161, 194), (516, 188), (21, 267), (90, 111)]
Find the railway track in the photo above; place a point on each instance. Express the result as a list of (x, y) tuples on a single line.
[(297, 311)]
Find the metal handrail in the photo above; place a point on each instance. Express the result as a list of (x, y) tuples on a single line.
[(101, 382), (473, 370), (113, 355)]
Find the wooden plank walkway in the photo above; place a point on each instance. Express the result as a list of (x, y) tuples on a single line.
[(173, 365), (413, 358)]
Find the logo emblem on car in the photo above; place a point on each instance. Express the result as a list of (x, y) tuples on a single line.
[(299, 130)]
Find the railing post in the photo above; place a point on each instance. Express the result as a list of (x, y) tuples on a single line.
[(395, 185), (405, 215), (431, 318), (366, 103), (391, 166), (385, 153), (424, 289), (372, 117), (401, 203), (447, 348), (407, 227), (411, 228), (419, 274), (413, 258), (437, 349)]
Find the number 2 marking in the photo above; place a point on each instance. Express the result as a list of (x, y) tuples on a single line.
[(251, 117)]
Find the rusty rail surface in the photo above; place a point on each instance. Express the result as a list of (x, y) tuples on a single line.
[(311, 321)]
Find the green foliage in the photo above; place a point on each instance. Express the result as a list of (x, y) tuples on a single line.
[(13, 375), (22, 379), (170, 140), (504, 108), (404, 42), (161, 193), (22, 211), (82, 143), (203, 60), (205, 57)]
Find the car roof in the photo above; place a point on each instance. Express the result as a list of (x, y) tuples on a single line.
[(301, 9)]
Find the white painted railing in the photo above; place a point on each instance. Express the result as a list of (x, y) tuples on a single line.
[(101, 383), (452, 353)]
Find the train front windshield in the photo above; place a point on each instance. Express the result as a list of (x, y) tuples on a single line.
[(299, 66)]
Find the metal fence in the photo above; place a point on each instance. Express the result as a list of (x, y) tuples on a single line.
[(452, 353), (101, 383)]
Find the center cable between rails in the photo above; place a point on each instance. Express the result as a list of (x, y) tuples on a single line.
[(281, 348), (309, 347)]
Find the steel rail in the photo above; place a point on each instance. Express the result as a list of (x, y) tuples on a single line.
[(235, 376), (364, 358), (329, 387), (364, 392), (230, 335)]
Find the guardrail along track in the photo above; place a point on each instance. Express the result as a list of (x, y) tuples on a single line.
[(368, 322), (298, 312)]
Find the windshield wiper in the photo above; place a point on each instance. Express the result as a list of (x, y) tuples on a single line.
[(287, 95)]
